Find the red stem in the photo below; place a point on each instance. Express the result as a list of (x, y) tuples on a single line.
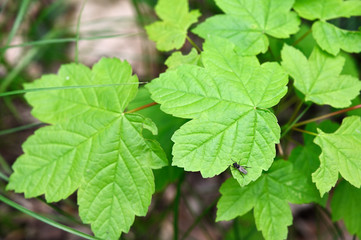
[(327, 115), (142, 107)]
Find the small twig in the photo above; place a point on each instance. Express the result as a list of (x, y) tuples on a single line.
[(142, 107), (194, 44), (294, 115), (5, 166), (280, 149), (199, 218), (21, 91), (4, 177), (45, 219), (61, 211), (291, 125), (327, 115), (304, 131), (17, 129), (334, 224), (236, 229), (302, 37), (77, 36), (271, 52), (204, 229)]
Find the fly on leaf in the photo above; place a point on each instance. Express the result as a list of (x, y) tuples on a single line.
[(241, 169)]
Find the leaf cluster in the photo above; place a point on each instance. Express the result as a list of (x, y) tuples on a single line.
[(231, 97)]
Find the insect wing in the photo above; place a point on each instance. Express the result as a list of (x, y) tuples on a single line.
[(242, 170)]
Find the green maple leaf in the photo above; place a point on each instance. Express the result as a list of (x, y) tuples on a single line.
[(345, 205), (329, 37), (305, 158), (228, 100), (247, 23), (93, 146), (327, 9), (340, 154), (319, 79), (170, 33), (177, 59), (332, 39), (269, 196)]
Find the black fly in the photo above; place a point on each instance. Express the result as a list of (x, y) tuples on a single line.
[(241, 169)]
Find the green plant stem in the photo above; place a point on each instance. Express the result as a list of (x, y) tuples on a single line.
[(23, 62), (271, 52), (142, 22), (335, 225), (60, 211), (23, 10), (64, 40), (4, 177), (199, 218), (45, 219), (304, 131), (236, 229), (163, 214), (77, 36), (12, 109), (327, 115), (285, 104), (289, 127), (142, 107), (194, 44), (5, 166), (302, 37), (295, 113), (57, 209), (280, 149), (18, 68), (321, 221), (140, 15), (292, 118), (203, 228), (18, 129), (65, 87), (176, 206)]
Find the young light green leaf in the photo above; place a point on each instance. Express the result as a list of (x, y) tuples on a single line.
[(171, 31), (228, 99), (305, 158), (177, 59), (99, 149), (53, 162), (247, 24), (331, 38), (269, 196), (118, 182), (318, 77), (327, 9), (340, 154), (95, 92), (345, 205)]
